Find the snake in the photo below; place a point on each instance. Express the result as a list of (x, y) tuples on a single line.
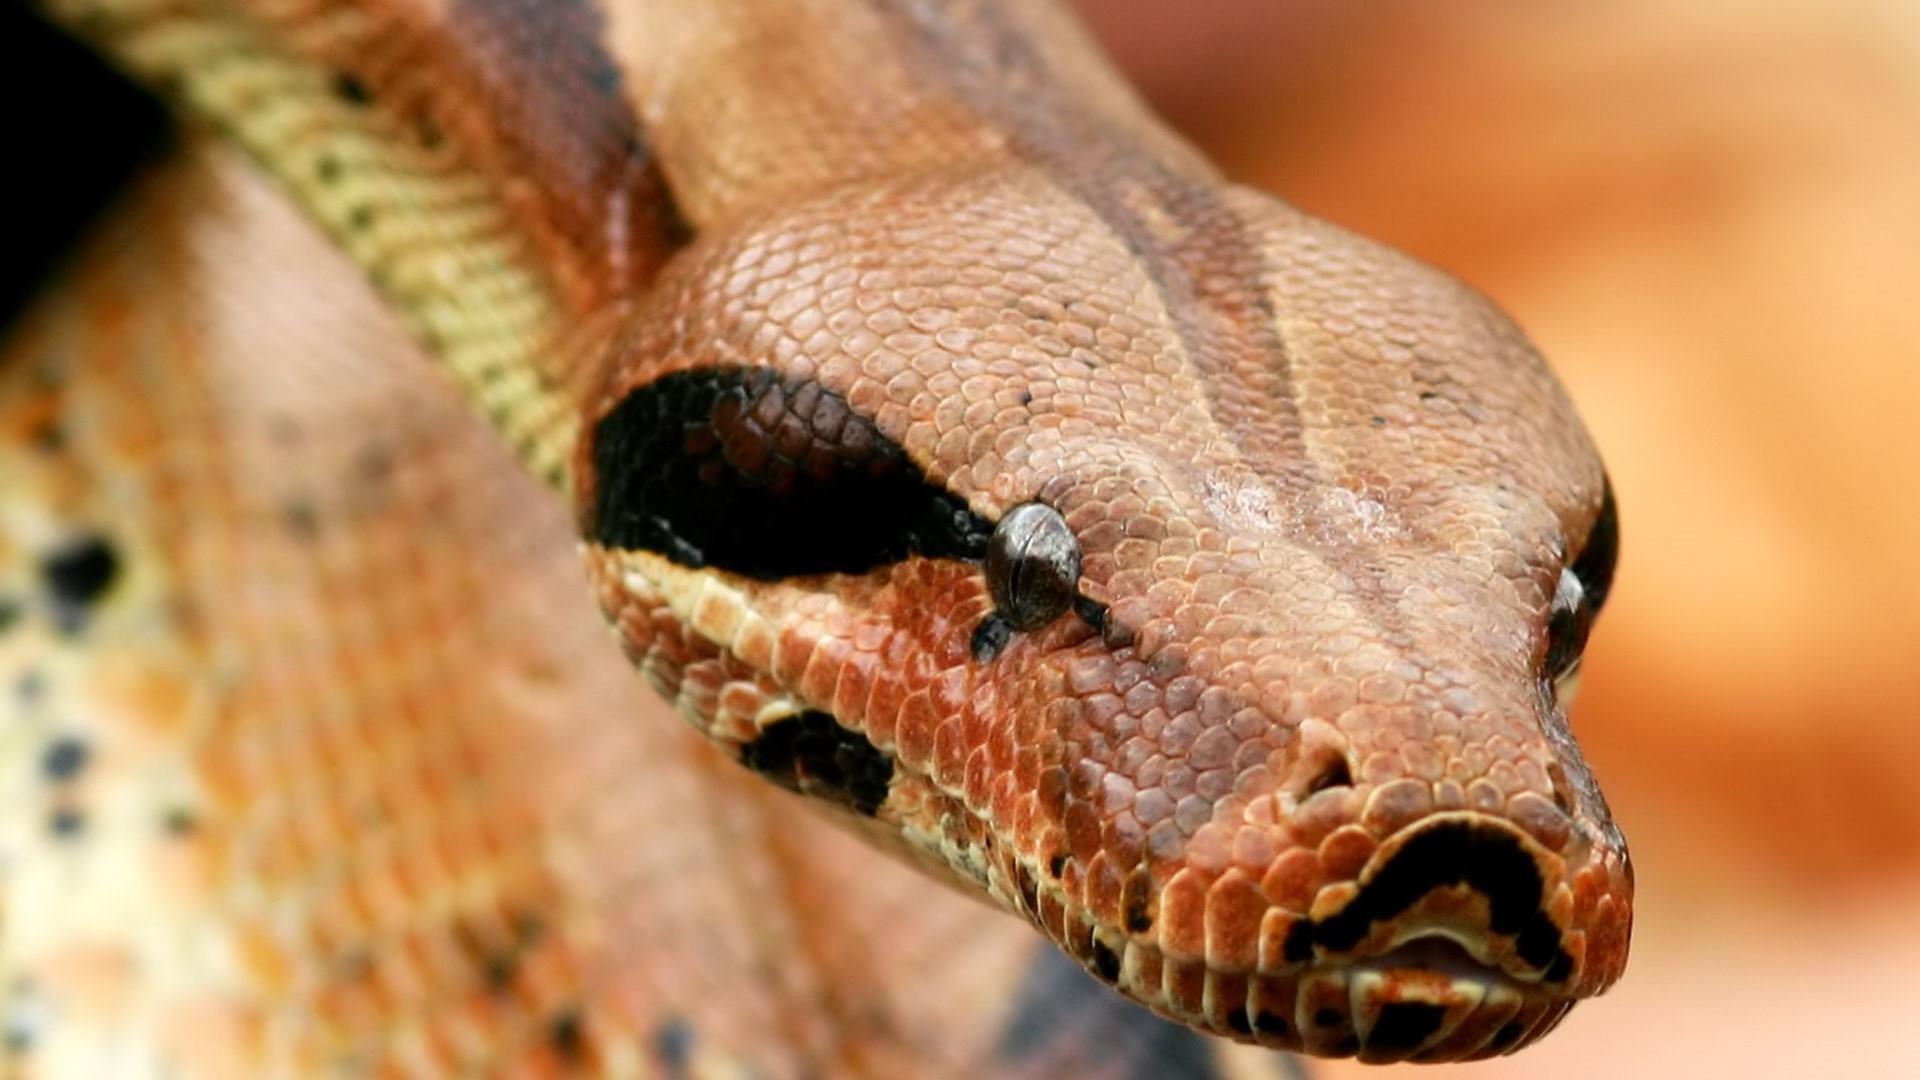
[(1022, 518)]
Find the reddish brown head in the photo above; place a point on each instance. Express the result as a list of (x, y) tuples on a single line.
[(1205, 603)]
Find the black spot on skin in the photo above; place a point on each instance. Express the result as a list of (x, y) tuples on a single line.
[(1378, 421), (1267, 1023), (812, 754), (1237, 1021), (1489, 861), (64, 759), (1298, 948), (66, 823), (350, 89), (1057, 864), (1067, 1024), (673, 1045), (1106, 962), (76, 575), (989, 638), (1326, 1017), (744, 470), (1506, 1036), (567, 1034), (1404, 1025)]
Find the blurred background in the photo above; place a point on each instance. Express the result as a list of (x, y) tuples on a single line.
[(1708, 216)]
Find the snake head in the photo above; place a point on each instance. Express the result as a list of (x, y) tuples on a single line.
[(1185, 574)]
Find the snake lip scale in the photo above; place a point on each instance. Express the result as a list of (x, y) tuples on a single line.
[(953, 446)]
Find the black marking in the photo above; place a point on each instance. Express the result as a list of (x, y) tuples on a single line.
[(77, 574), (566, 1033), (1326, 1018), (1489, 861), (1272, 1024), (673, 1045), (1298, 948), (812, 754), (348, 88), (741, 469), (1057, 864), (990, 637), (1507, 1036), (64, 759), (1067, 1024), (1133, 902), (1404, 1025), (1106, 962), (1237, 1021)]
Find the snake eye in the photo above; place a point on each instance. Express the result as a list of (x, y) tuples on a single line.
[(1582, 591), (1033, 566)]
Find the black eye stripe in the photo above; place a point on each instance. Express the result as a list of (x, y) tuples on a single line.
[(744, 470), (812, 754)]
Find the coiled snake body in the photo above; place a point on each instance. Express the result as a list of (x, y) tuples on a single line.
[(944, 439)]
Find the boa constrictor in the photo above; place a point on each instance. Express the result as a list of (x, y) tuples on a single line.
[(945, 439)]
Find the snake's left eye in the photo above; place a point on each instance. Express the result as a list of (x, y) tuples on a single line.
[(1033, 566), (1583, 588)]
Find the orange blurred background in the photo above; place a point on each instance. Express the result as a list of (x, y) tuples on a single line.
[(1708, 215)]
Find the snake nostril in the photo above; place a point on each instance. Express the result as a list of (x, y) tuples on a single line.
[(1335, 773)]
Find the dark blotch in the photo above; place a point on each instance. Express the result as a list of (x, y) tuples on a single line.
[(1404, 1025), (1490, 861), (64, 759), (1326, 1017), (812, 754), (350, 89), (566, 1033), (1273, 1024), (9, 612), (1507, 1036), (742, 469), (1237, 1022), (1106, 962), (1298, 948), (78, 573), (180, 821)]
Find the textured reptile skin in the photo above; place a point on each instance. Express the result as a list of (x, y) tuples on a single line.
[(1290, 768)]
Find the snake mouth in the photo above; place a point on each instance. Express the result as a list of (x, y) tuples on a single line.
[(1427, 999)]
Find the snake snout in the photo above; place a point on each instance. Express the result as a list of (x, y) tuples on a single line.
[(1451, 943)]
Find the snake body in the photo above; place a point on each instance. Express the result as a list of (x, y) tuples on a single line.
[(945, 439)]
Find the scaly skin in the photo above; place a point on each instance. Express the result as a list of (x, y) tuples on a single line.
[(1292, 769)]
